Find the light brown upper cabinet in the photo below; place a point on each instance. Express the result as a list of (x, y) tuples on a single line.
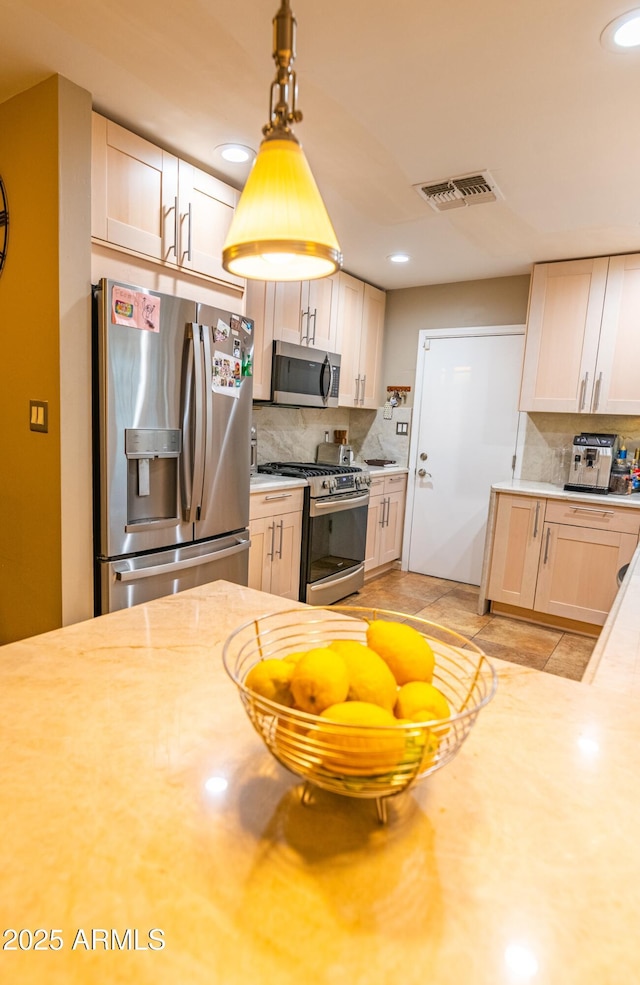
[(205, 209), (360, 320), (148, 202), (583, 328), (304, 313), (259, 298)]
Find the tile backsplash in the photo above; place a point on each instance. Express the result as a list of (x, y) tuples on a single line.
[(549, 437), (294, 433)]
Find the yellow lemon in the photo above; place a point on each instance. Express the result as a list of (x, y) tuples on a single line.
[(293, 658), (423, 699), (406, 652), (369, 677), (426, 740), (320, 678), (272, 679), (355, 738)]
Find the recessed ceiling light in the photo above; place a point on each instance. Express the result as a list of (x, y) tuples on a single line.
[(623, 32), (236, 153), (399, 257)]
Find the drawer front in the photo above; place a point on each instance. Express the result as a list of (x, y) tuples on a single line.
[(605, 517), (273, 503), (395, 483), (377, 485)]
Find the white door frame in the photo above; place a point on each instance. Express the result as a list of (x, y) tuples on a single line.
[(425, 335)]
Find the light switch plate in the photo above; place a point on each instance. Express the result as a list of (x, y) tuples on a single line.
[(39, 415), (402, 427)]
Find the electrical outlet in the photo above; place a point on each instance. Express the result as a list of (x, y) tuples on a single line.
[(402, 427)]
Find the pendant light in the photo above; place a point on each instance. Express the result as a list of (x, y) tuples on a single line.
[(281, 229)]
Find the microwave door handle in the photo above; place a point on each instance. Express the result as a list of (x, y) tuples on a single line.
[(326, 364), (192, 425)]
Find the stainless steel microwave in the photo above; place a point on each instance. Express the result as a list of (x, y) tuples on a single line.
[(304, 377)]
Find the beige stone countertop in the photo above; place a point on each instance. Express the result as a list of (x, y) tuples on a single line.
[(383, 469), (268, 483), (527, 487), (615, 661), (137, 797)]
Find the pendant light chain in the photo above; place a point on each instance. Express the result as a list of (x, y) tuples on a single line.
[(284, 88), (281, 230)]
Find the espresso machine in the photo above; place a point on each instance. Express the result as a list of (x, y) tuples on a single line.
[(591, 461)]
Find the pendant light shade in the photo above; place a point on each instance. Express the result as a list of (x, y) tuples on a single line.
[(281, 230)]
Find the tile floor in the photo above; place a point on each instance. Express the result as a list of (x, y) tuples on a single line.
[(455, 605)]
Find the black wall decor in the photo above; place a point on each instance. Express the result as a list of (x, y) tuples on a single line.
[(4, 224)]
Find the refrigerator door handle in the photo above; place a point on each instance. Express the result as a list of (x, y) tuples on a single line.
[(193, 426), (126, 574)]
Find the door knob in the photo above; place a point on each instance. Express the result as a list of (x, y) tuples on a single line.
[(423, 472), (423, 456)]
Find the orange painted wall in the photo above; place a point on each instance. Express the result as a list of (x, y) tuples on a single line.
[(31, 599)]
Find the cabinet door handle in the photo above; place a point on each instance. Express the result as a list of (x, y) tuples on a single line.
[(187, 252), (278, 496), (535, 522), (272, 528), (281, 526), (314, 316), (381, 520), (596, 396), (304, 314), (583, 391), (586, 509), (546, 546), (357, 389), (176, 227), (364, 383)]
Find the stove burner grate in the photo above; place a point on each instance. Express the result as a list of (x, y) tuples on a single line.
[(305, 470)]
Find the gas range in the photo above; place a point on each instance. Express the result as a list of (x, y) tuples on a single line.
[(334, 527), (322, 479)]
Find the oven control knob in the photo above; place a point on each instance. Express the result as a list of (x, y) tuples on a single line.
[(329, 484)]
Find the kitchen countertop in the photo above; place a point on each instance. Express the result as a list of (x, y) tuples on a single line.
[(268, 483), (385, 469), (518, 862), (526, 487), (615, 660)]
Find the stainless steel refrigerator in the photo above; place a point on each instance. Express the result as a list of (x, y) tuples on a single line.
[(172, 410)]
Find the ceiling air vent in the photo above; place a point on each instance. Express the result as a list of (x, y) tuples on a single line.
[(456, 193)]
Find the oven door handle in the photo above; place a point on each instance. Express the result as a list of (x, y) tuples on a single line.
[(317, 507)]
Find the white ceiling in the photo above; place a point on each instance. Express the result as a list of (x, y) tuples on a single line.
[(393, 93)]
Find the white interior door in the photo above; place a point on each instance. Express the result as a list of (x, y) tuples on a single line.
[(464, 439)]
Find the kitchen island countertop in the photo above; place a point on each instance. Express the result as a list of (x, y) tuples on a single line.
[(137, 797)]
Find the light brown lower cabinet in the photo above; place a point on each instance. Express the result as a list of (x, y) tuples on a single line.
[(560, 558), (385, 520), (516, 550), (578, 570), (275, 527)]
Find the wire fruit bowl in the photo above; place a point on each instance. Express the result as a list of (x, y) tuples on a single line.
[(358, 760)]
